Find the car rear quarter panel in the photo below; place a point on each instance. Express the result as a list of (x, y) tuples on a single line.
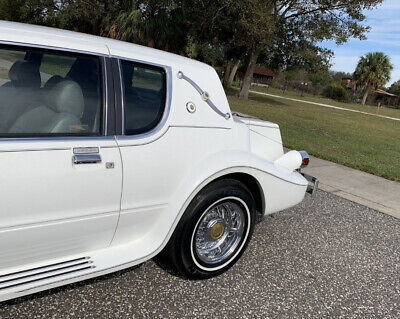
[(173, 170), (165, 170)]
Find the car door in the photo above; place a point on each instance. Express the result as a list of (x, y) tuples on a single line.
[(61, 175), (142, 106)]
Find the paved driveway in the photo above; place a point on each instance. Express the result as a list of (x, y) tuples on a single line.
[(327, 257)]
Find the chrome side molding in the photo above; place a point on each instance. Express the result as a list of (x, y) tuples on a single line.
[(204, 95)]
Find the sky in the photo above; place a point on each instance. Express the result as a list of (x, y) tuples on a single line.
[(384, 36)]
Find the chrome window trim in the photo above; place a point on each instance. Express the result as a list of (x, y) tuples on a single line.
[(168, 99), (56, 139), (105, 96), (49, 47), (121, 87), (102, 59), (156, 129)]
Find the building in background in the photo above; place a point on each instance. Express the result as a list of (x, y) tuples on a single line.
[(348, 83), (261, 75)]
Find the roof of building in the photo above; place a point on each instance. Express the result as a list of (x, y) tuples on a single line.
[(263, 71), (384, 93)]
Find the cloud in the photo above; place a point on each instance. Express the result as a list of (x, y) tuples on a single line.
[(344, 63), (348, 64), (395, 76), (390, 5), (384, 37)]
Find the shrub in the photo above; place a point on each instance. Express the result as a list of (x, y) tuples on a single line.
[(336, 92)]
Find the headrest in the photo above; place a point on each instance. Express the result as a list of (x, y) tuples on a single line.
[(66, 97), (84, 71), (25, 73), (55, 79)]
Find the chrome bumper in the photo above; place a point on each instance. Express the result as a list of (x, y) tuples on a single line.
[(312, 183)]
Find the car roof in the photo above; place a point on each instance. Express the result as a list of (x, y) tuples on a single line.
[(20, 33)]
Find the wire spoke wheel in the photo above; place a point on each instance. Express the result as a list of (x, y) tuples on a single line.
[(220, 231), (214, 230)]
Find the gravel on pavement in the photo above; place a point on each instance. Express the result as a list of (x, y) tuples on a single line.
[(326, 257)]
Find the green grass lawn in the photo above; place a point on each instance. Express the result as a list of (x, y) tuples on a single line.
[(392, 112), (356, 140)]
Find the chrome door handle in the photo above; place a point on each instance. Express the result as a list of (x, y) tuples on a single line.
[(86, 159)]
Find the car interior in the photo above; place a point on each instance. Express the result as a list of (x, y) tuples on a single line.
[(144, 93), (69, 104), (50, 94)]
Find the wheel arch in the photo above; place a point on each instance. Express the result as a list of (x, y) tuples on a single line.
[(255, 173), (251, 183), (240, 173)]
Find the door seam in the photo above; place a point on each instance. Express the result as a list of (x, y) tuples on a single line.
[(122, 190)]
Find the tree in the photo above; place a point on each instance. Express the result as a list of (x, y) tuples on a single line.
[(214, 23), (317, 79), (233, 74), (84, 16), (281, 34), (160, 24), (373, 70), (234, 56), (92, 16), (29, 11), (337, 76), (395, 88), (312, 20), (207, 53)]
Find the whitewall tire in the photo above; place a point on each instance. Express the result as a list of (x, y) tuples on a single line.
[(214, 230)]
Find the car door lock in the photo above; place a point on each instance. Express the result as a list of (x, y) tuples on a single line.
[(110, 165)]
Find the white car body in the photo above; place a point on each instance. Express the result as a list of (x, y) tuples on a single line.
[(61, 223)]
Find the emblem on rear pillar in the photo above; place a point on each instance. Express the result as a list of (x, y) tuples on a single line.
[(191, 107)]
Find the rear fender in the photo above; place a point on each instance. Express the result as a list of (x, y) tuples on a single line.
[(276, 183)]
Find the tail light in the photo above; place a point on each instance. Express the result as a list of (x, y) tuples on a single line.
[(305, 158)]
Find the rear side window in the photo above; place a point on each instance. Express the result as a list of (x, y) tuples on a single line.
[(49, 93), (144, 89)]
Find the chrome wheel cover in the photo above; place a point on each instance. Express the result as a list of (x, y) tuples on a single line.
[(219, 232)]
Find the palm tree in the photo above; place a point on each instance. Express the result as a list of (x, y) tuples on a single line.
[(158, 24), (372, 71)]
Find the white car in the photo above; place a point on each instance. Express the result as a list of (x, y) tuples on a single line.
[(112, 153)]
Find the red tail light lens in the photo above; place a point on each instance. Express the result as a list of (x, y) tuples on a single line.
[(305, 158)]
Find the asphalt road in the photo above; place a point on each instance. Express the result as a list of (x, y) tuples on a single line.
[(327, 257)]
